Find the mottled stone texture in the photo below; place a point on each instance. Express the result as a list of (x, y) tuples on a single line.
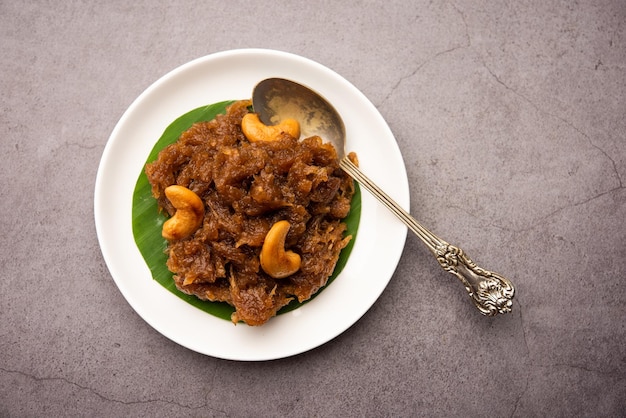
[(511, 117)]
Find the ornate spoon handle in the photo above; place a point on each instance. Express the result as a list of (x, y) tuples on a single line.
[(491, 293)]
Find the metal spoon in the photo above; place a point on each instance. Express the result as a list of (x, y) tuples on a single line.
[(276, 99)]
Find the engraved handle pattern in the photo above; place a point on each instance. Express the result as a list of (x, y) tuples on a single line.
[(491, 293)]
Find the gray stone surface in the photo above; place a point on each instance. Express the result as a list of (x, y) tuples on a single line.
[(511, 117)]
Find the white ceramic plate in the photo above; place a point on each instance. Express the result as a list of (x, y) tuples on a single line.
[(226, 76)]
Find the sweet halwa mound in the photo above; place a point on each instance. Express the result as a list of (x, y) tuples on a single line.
[(246, 188)]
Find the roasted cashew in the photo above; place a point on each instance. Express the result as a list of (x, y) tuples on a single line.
[(188, 216), (275, 261), (255, 130)]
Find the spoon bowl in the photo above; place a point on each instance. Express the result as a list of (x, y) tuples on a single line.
[(276, 99)]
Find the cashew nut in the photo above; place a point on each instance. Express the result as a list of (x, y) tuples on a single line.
[(275, 261), (255, 130), (188, 216)]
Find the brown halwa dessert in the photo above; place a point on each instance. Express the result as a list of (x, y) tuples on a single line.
[(246, 188)]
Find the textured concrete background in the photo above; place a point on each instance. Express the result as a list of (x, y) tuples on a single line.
[(511, 117)]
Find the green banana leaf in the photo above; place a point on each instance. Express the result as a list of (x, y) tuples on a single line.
[(147, 221)]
